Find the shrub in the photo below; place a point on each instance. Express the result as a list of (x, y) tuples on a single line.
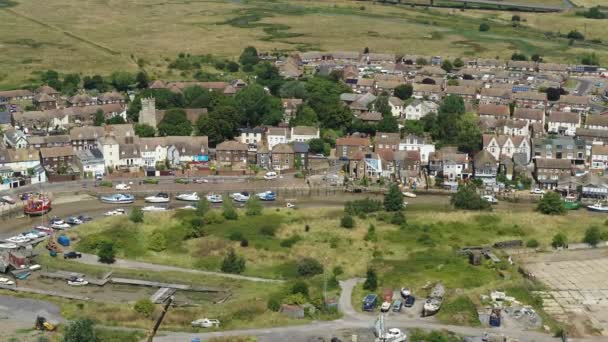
[(274, 304), (364, 206), (516, 18), (244, 243), (551, 204), (254, 206), (300, 287), (150, 181), (268, 230), (371, 280), (106, 252), (228, 211), (393, 199), (338, 270), (307, 227), (290, 241), (213, 217), (371, 233), (106, 184), (592, 236), (467, 198), (136, 215), (347, 221), (232, 66), (308, 267), (236, 236), (80, 330), (144, 307), (157, 241), (295, 299), (532, 243), (398, 218), (233, 263), (559, 240), (483, 27), (576, 35)]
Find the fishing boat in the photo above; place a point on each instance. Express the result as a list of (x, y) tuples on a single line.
[(153, 208), (192, 197), (409, 194), (240, 196), (37, 205), (598, 207), (571, 202), (214, 198), (161, 197), (434, 301), (118, 199), (267, 196)]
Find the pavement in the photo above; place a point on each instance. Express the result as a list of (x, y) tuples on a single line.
[(20, 313)]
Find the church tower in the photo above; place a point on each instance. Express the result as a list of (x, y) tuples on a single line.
[(147, 114)]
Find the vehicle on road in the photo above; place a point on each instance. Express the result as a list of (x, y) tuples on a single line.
[(537, 191), (395, 335), (74, 221), (205, 323), (72, 255), (191, 197), (409, 301), (397, 304), (123, 186), (214, 198), (200, 180), (118, 199), (490, 199), (369, 302), (385, 307), (270, 175), (75, 281), (161, 197)]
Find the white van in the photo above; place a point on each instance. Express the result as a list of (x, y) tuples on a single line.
[(270, 175)]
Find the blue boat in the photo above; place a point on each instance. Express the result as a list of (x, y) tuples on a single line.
[(118, 199), (267, 196)]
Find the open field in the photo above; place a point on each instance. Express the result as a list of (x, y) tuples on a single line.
[(104, 36), (589, 3)]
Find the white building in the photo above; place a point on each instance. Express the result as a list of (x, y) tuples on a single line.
[(153, 150), (15, 139), (419, 108), (415, 143), (276, 135), (250, 136), (564, 123), (397, 106), (504, 145), (304, 133), (108, 145), (599, 157), (90, 162)]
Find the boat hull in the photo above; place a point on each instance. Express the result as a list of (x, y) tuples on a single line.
[(113, 201), (598, 209), (156, 200), (38, 212), (572, 205)]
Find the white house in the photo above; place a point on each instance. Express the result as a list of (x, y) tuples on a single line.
[(513, 127), (564, 123), (250, 136), (396, 105), (153, 150), (90, 162), (15, 139), (504, 145), (415, 143), (130, 156), (108, 145), (597, 121), (20, 160), (304, 133), (419, 108), (599, 157), (276, 135)]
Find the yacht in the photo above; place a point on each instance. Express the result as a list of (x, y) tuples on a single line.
[(192, 197), (161, 197), (267, 196), (214, 198), (598, 207), (153, 208), (240, 196), (118, 199)]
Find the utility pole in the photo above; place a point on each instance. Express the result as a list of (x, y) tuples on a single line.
[(159, 320)]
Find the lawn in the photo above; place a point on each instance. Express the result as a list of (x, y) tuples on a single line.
[(103, 36)]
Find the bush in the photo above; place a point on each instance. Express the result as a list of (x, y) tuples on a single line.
[(347, 221), (393, 199), (80, 330), (532, 243), (157, 241), (106, 184), (338, 270), (268, 230), (232, 66), (233, 263), (371, 234), (236, 236), (576, 35), (559, 240), (254, 206), (364, 206), (516, 18), (592, 236), (106, 252), (144, 307), (398, 218), (300, 287), (371, 280), (244, 243), (274, 304), (228, 211), (467, 198), (213, 217), (150, 181), (483, 27), (136, 215), (290, 241), (308, 267), (551, 204)]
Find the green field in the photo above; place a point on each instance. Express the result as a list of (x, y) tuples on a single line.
[(94, 36)]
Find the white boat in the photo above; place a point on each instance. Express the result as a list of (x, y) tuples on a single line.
[(405, 292), (114, 213), (267, 196), (161, 197), (240, 196), (188, 207), (18, 239), (490, 199), (6, 281), (8, 245), (118, 199), (434, 300), (60, 225), (290, 205), (74, 281), (598, 207), (192, 197), (409, 194), (214, 198), (123, 186), (153, 208), (44, 229), (270, 175)]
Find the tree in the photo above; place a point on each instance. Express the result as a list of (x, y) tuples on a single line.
[(553, 94), (157, 241), (249, 58), (415, 127), (232, 66), (317, 146), (202, 207), (99, 118), (115, 120), (468, 138), (95, 82), (551, 204), (233, 263), (404, 91), (106, 252), (175, 122), (136, 215), (421, 61), (590, 59), (268, 75), (592, 236), (144, 306), (219, 125), (467, 198), (447, 66), (517, 56), (196, 97), (51, 78), (483, 27), (450, 112), (371, 280), (388, 124), (80, 330), (308, 267), (305, 116), (300, 287), (144, 130), (594, 13), (458, 63), (575, 35), (142, 80), (393, 199), (559, 240), (122, 80), (256, 106), (324, 99), (71, 83), (516, 18), (293, 89), (253, 206), (347, 221), (228, 211), (381, 104), (536, 58)]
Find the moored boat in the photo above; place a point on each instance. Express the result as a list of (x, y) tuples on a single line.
[(267, 196), (192, 197), (571, 202), (214, 198), (118, 199), (598, 207), (240, 196), (409, 194), (153, 208), (37, 205), (161, 197), (434, 301)]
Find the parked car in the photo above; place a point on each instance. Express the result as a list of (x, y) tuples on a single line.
[(72, 255), (409, 301), (369, 302), (490, 199), (385, 307), (270, 175), (397, 305), (537, 191), (205, 323)]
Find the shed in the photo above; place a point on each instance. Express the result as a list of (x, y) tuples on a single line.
[(292, 311)]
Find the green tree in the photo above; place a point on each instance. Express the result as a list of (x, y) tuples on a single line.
[(196, 97), (106, 252), (99, 118), (232, 66), (536, 58), (256, 106), (551, 204), (268, 75), (592, 236), (516, 18), (305, 116), (142, 80), (219, 125), (253, 206), (122, 80), (324, 99), (575, 35), (371, 234), (95, 82), (371, 280), (293, 89), (458, 63), (144, 130), (308, 267), (228, 211), (175, 122), (559, 240), (157, 241), (483, 27), (51, 78), (469, 133), (136, 215), (347, 221), (233, 263), (116, 120), (467, 198), (590, 59), (393, 199), (300, 287), (249, 58), (202, 207), (404, 91), (144, 307), (447, 66), (80, 330), (71, 83)]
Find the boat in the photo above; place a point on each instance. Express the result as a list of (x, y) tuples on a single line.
[(405, 292), (75, 281), (118, 199), (60, 225), (240, 196), (409, 194), (153, 208), (18, 239), (290, 205), (571, 202), (6, 281), (123, 186), (8, 245), (434, 301), (192, 197), (44, 229), (267, 196), (188, 207), (37, 205), (114, 213), (8, 199), (598, 207), (214, 198), (490, 199), (161, 197), (270, 175), (73, 221)]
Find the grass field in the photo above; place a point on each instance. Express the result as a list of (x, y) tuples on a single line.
[(590, 3), (94, 36)]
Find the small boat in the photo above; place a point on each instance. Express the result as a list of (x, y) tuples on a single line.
[(116, 212), (60, 225), (6, 281), (598, 207), (123, 186), (44, 229), (37, 205), (571, 202), (23, 275), (8, 245), (290, 205), (193, 197), (188, 207), (84, 218), (434, 301), (153, 208), (161, 197), (240, 196), (18, 239), (73, 221), (405, 292), (8, 199), (267, 196), (75, 281), (56, 219), (409, 194), (214, 198), (118, 199), (490, 199)]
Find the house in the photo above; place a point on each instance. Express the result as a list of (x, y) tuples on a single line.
[(47, 90), (290, 107), (553, 68), (185, 150), (48, 120), (513, 127), (485, 167), (85, 137), (449, 164), (427, 91), (529, 99), (14, 139), (564, 123), (90, 162), (467, 93), (495, 95), (81, 100), (364, 85), (597, 121), (300, 155), (43, 101), (358, 103), (432, 70), (529, 115), (110, 150), (372, 117), (276, 135), (19, 161), (365, 165), (38, 141), (347, 147), (413, 142), (282, 157), (407, 166), (419, 108), (153, 150), (231, 153), (573, 103), (593, 136), (599, 157), (54, 158), (521, 65), (130, 155), (386, 141), (572, 149), (110, 98), (15, 95), (304, 133), (379, 58), (250, 136), (548, 171), (500, 146), (396, 105), (495, 111)]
